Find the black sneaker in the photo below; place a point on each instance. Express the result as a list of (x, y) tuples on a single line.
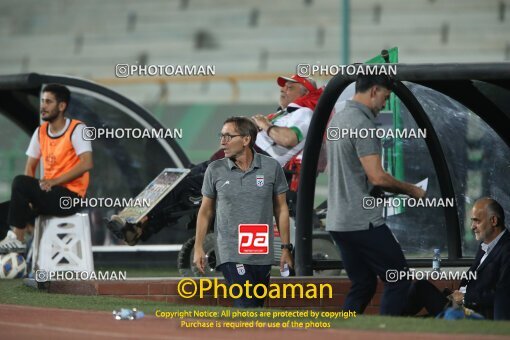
[(129, 233), (115, 225)]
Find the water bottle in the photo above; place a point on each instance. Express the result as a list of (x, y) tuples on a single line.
[(436, 260), (285, 272), (128, 314)]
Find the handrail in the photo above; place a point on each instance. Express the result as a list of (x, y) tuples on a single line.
[(232, 79)]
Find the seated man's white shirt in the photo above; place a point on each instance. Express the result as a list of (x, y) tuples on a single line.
[(80, 145), (299, 119)]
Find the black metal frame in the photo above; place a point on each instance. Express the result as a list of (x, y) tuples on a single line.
[(444, 78)]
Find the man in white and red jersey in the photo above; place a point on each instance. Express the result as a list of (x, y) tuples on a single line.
[(282, 134), (66, 159)]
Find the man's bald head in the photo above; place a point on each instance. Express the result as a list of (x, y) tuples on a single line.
[(493, 209), (487, 219)]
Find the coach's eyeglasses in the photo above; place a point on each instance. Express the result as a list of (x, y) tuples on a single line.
[(227, 137)]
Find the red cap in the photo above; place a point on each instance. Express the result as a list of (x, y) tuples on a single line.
[(297, 79)]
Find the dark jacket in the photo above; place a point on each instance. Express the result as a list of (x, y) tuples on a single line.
[(489, 294)]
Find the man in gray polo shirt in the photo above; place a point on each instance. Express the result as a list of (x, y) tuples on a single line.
[(244, 190), (367, 245)]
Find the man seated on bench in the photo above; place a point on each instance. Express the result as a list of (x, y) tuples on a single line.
[(489, 293), (66, 158), (281, 135)]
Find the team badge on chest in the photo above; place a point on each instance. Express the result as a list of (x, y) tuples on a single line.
[(240, 269), (260, 180)]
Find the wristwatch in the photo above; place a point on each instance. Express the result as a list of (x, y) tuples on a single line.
[(288, 246)]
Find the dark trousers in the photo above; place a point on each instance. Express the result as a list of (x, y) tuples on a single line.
[(25, 192), (424, 294), (367, 254), (241, 273)]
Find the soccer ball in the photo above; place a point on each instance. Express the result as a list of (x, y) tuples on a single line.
[(13, 266)]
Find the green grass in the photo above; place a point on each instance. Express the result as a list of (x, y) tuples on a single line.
[(14, 292)]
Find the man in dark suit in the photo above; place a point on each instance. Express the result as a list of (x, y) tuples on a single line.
[(489, 294)]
